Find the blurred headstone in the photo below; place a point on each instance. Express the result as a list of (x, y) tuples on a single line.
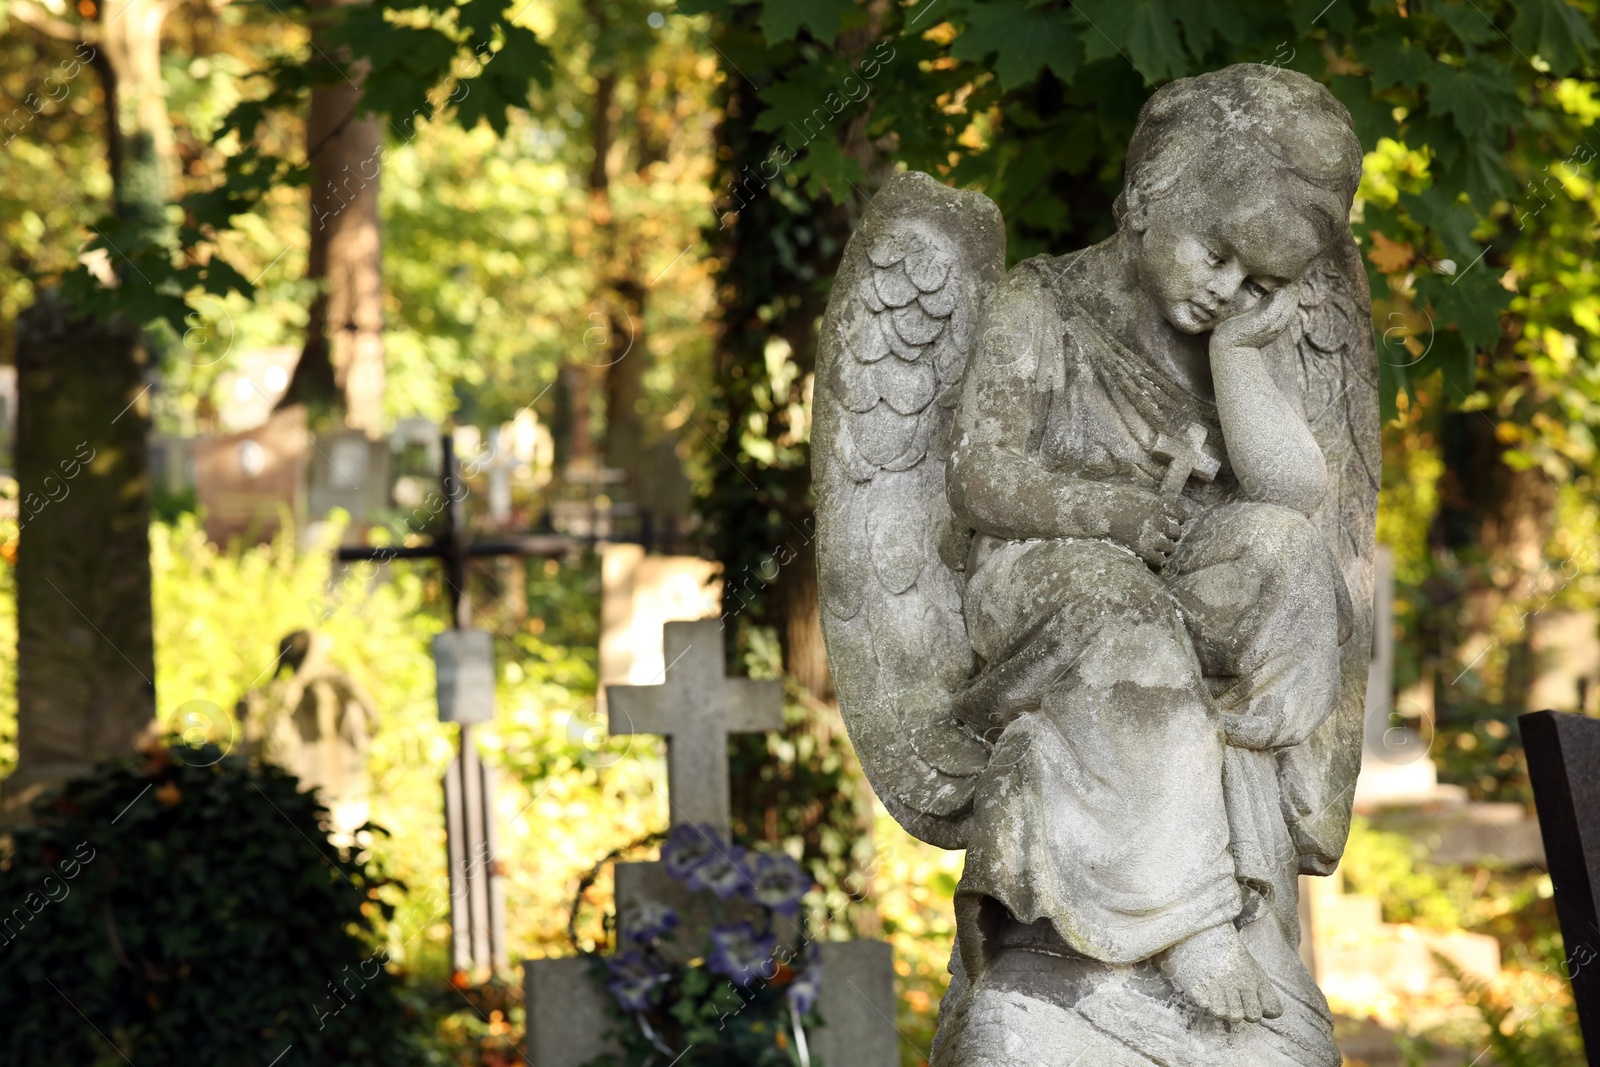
[(247, 482), (1566, 653), (8, 415), (172, 466), (414, 462), (346, 469), (1395, 765), (519, 456), (639, 595)]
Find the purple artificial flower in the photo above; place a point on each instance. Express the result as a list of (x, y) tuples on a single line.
[(689, 846), (777, 882), (632, 980), (648, 920), (722, 872), (741, 955), (807, 986)]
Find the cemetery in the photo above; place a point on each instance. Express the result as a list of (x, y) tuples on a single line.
[(800, 533)]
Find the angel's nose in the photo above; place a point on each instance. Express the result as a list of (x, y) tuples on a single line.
[(1225, 281)]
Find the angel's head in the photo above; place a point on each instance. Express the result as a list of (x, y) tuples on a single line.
[(1236, 182)]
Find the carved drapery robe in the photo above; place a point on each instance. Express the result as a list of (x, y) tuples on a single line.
[(1114, 807)]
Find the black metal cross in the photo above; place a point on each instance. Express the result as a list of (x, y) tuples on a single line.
[(477, 900), (450, 544)]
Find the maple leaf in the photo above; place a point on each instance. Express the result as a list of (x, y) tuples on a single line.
[(1390, 256), (1022, 41)]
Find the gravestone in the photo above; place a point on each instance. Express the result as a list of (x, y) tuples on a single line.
[(697, 706), (1564, 764), (1566, 653), (246, 482), (639, 594), (348, 470), (1395, 765)]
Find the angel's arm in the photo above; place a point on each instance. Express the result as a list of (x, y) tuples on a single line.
[(993, 486), (1270, 447)]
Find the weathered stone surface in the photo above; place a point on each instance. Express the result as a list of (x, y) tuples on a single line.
[(696, 705), (567, 1021), (857, 1005), (1096, 551)]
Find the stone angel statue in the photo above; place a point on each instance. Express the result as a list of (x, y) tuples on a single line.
[(1096, 548)]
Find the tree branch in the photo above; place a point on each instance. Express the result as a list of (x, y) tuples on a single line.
[(37, 18)]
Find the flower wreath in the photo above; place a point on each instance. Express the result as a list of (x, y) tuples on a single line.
[(744, 999)]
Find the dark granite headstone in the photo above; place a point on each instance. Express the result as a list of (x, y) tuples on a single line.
[(1564, 764)]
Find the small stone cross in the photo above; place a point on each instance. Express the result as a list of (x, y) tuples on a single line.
[(1189, 456), (697, 706)]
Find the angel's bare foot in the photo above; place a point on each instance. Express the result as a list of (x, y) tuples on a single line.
[(1218, 973)]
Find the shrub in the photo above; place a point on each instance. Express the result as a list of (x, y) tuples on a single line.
[(185, 907)]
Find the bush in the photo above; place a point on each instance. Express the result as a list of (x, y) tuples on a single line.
[(185, 907)]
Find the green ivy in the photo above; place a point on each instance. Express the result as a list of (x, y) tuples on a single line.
[(1052, 89)]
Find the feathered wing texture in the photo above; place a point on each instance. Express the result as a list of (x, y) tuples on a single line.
[(1336, 365), (898, 330)]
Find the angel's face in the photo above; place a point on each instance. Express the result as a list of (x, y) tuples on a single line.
[(1208, 258)]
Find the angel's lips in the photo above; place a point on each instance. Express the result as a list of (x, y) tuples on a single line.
[(1191, 317)]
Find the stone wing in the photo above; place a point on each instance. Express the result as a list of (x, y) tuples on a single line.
[(898, 330), (1336, 364)]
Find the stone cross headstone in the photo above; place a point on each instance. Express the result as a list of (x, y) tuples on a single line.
[(696, 706), (1564, 765), (464, 659)]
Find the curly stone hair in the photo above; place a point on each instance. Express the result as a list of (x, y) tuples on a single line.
[(1205, 127)]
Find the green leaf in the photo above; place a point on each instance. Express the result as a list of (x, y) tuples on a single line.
[(504, 81), (1454, 361), (1556, 32), (1144, 32), (826, 169), (1395, 62), (810, 99), (1481, 173), (1308, 15), (1447, 219), (1480, 99), (1023, 42), (1471, 301), (780, 20), (1467, 21), (1372, 118)]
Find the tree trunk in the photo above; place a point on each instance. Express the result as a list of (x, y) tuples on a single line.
[(140, 147), (1494, 522), (341, 365), (85, 658), (622, 353)]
